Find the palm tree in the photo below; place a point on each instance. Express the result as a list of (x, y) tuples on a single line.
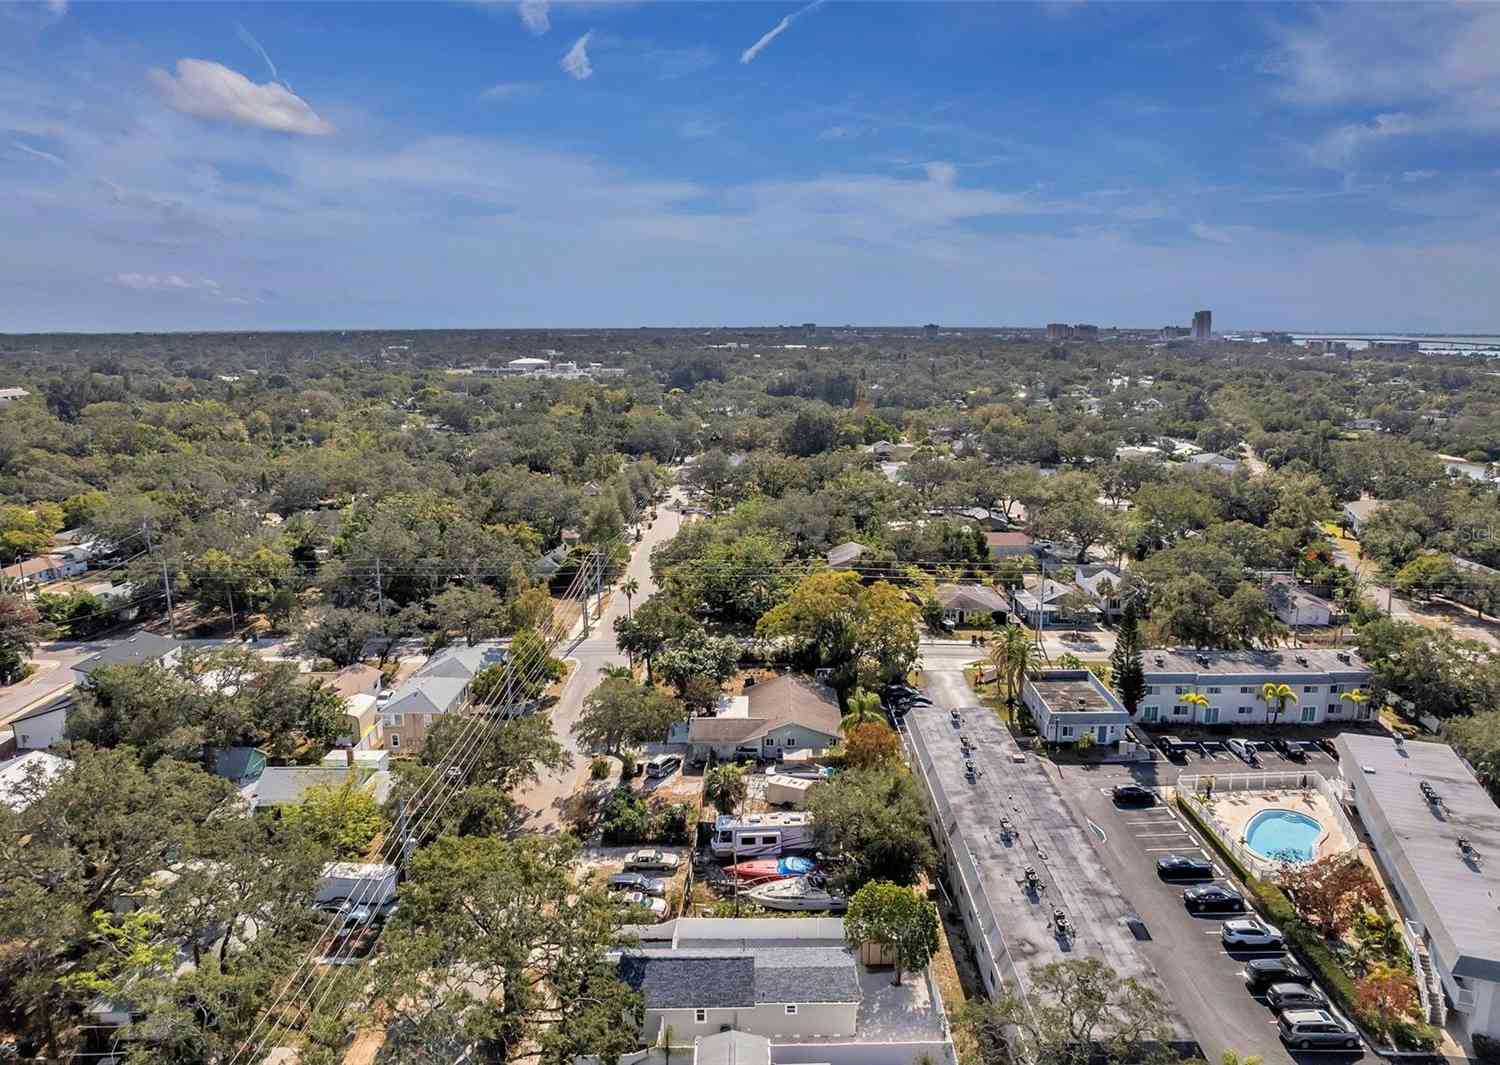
[(617, 672), (1358, 697), (1014, 655), (1197, 699), (1280, 694), (630, 588), (864, 707), (724, 786)]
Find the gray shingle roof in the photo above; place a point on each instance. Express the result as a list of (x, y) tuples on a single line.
[(141, 648), (717, 979)]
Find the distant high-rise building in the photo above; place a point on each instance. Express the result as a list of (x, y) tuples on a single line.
[(1059, 330), (1082, 331), (1172, 332), (1203, 325)]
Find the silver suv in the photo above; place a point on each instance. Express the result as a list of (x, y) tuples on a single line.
[(1307, 1029)]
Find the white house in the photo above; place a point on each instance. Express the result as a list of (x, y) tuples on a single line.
[(11, 395), (1068, 704), (41, 727), (1042, 603), (1436, 836), (43, 569), (1359, 511), (789, 713), (1232, 682), (1103, 583), (1297, 607), (28, 775), (142, 649)]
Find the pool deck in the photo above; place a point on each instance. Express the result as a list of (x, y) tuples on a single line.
[(1234, 811)]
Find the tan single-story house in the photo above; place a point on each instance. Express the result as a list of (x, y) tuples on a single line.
[(970, 604)]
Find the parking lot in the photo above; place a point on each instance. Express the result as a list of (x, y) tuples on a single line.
[(1206, 981)]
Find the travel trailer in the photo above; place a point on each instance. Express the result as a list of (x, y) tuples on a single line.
[(761, 835)]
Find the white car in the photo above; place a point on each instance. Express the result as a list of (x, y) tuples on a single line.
[(651, 861), (1250, 932), (658, 907)]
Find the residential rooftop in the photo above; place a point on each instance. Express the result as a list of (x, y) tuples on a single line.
[(1073, 691), (1300, 661), (1457, 899)]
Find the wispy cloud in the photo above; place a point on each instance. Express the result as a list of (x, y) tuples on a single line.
[(1220, 234), (749, 54), (176, 283), (58, 7), (507, 90), (38, 153), (255, 46), (836, 133), (534, 13), (576, 63), (1418, 175), (213, 91)]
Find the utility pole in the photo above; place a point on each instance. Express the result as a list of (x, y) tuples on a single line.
[(379, 591), (166, 582), (232, 625), (585, 600)]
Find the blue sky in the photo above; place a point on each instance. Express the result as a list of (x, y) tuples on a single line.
[(291, 165)]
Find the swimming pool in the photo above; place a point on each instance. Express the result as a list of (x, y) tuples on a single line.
[(1283, 835)]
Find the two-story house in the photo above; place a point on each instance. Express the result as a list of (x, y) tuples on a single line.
[(438, 688), (1232, 682)]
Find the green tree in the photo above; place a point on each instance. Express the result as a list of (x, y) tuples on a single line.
[(647, 632), (895, 917), (855, 630), (1127, 669), (1077, 1011), (21, 629), (1425, 576), (1477, 738), (27, 531), (873, 819), (630, 588), (532, 945), (725, 786), (341, 635), (716, 658), (474, 611), (344, 818), (620, 711), (532, 665)]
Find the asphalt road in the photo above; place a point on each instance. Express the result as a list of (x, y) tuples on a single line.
[(588, 656)]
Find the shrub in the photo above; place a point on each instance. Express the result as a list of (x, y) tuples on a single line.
[(1487, 1050), (627, 818), (599, 768)]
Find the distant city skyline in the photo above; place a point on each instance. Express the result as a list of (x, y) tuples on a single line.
[(291, 166)]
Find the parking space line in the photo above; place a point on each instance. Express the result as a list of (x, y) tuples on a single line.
[(1148, 835), (1178, 850)]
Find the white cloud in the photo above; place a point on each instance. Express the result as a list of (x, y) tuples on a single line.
[(1220, 234), (58, 7), (176, 283), (1339, 146), (534, 14), (835, 133), (213, 91), (507, 90), (38, 153), (255, 46), (576, 63), (1418, 175), (775, 31)]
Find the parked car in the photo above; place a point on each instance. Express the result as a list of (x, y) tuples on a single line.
[(1261, 973), (646, 885), (1183, 867), (1244, 750), (658, 907), (1213, 898), (1295, 997), (1133, 795), (663, 765), (955, 717), (1306, 1029), (1251, 932), (651, 861), (1290, 749), (1173, 748)]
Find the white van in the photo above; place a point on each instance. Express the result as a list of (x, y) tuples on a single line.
[(663, 765)]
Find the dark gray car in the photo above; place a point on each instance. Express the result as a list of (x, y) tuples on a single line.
[(1295, 997), (1316, 1029)]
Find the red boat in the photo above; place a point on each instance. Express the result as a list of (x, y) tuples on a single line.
[(772, 868)]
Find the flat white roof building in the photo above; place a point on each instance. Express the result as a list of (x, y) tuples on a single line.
[(1440, 850)]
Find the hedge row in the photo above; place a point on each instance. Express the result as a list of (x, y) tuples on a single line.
[(1310, 946)]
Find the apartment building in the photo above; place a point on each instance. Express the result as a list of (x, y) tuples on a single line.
[(1232, 682)]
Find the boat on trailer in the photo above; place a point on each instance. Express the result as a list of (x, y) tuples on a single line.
[(762, 869), (807, 893)]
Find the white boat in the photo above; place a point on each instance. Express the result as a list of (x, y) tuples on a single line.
[(801, 893)]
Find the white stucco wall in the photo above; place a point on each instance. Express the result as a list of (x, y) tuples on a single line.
[(767, 1019)]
